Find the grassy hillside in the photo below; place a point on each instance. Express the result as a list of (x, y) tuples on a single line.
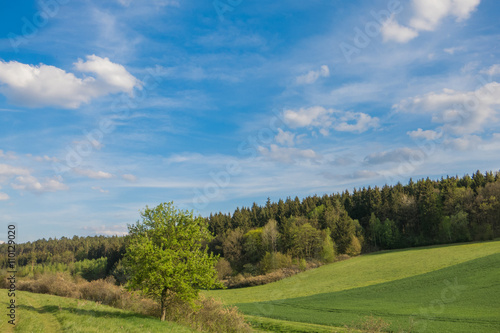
[(450, 288), (47, 313)]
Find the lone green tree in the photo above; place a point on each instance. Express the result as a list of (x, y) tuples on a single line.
[(167, 255)]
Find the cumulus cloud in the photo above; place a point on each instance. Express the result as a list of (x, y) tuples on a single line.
[(461, 112), (286, 154), (355, 122), (306, 117), (318, 116), (393, 156), (426, 135), (427, 15), (93, 174), (392, 31), (32, 184), (44, 85), (313, 76)]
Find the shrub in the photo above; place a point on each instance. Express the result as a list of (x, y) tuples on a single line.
[(354, 247), (59, 284), (208, 315), (302, 264), (223, 268), (274, 261)]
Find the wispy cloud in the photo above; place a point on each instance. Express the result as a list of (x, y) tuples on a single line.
[(313, 76), (427, 15)]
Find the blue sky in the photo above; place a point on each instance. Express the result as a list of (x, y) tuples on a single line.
[(109, 106)]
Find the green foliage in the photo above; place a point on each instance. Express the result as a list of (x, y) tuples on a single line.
[(91, 269), (166, 257), (306, 241), (354, 247), (252, 246), (327, 247), (273, 261)]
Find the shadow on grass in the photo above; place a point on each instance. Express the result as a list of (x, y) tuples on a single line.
[(84, 312)]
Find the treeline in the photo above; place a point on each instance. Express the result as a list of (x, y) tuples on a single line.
[(91, 257), (290, 233), (426, 212)]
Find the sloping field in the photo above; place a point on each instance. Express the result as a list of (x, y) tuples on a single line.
[(435, 289), (47, 314)]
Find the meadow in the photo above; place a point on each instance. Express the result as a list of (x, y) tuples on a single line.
[(450, 288), (46, 313)]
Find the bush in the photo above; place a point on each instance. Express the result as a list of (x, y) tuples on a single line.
[(354, 248), (223, 268), (274, 261), (208, 315), (302, 264), (59, 284)]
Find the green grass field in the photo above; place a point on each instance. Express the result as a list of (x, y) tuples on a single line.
[(452, 288), (47, 313)]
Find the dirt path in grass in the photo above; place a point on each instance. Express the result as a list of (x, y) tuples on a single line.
[(35, 317)]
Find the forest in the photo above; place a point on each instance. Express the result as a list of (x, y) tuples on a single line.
[(260, 239)]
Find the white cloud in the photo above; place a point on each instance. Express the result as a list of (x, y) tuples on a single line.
[(10, 155), (4, 196), (427, 135), (452, 50), (392, 31), (32, 184), (44, 85), (129, 177), (313, 76), (427, 15), (44, 158), (305, 117), (285, 138), (355, 122), (9, 170), (493, 144), (493, 70), (93, 174), (318, 116), (393, 156), (286, 154), (461, 113), (467, 142)]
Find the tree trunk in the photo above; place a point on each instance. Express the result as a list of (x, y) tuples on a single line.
[(163, 304)]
